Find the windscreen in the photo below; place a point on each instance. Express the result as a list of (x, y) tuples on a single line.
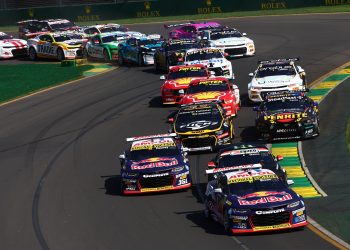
[(275, 70), (187, 72), (202, 55)]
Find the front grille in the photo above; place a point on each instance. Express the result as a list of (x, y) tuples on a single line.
[(275, 87), (236, 51), (155, 182), (218, 71), (19, 52), (270, 219), (198, 142)]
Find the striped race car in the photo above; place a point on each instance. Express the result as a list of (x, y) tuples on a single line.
[(11, 47), (154, 163), (251, 201), (59, 46)]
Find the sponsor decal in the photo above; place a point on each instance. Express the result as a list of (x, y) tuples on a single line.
[(203, 51), (130, 187), (156, 189), (300, 218), (236, 217), (273, 5), (183, 175), (183, 81), (209, 8), (263, 200), (262, 194), (299, 211), (199, 124), (154, 175), (270, 211), (336, 2), (209, 82), (240, 225), (286, 117), (207, 95), (154, 163), (285, 225), (155, 143), (235, 168), (188, 69), (228, 202)]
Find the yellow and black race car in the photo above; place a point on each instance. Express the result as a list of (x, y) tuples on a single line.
[(202, 126), (56, 45)]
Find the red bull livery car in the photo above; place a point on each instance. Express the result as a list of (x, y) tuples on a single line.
[(178, 79), (153, 164), (253, 201), (214, 89), (11, 47)]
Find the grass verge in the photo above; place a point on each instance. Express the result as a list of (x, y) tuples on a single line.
[(308, 10), (22, 79)]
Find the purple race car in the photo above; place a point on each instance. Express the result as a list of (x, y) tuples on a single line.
[(189, 30)]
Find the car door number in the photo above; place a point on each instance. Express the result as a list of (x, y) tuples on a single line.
[(46, 49)]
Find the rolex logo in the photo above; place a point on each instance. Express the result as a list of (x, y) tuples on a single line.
[(147, 5), (31, 12), (209, 2), (87, 9)]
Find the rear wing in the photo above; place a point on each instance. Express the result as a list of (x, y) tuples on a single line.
[(137, 138), (27, 21), (234, 168), (168, 26), (280, 60)]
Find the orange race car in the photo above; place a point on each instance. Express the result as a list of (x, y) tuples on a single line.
[(178, 79), (214, 89)]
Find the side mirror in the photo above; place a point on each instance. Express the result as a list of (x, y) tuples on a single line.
[(226, 54), (212, 73), (256, 108), (122, 157), (279, 158), (251, 74), (171, 120), (211, 164), (205, 38), (217, 190), (244, 34), (162, 78), (289, 182), (181, 91)]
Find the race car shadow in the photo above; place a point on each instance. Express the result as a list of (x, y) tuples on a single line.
[(152, 71), (249, 133), (156, 102), (112, 184), (198, 218)]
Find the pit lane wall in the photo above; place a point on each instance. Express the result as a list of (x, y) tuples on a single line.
[(154, 8)]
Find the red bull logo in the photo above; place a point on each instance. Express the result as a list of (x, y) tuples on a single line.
[(156, 162), (264, 200), (262, 194)]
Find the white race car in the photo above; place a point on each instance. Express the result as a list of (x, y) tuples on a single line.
[(231, 41), (276, 75), (90, 31), (11, 47), (212, 58)]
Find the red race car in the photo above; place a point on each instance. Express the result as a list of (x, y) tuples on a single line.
[(213, 89), (178, 79)]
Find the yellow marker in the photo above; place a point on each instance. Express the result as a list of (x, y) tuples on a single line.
[(327, 85), (287, 152), (316, 98)]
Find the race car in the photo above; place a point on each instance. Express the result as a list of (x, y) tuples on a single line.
[(244, 156), (250, 201), (55, 45), (202, 126), (172, 52), (105, 46), (177, 81), (90, 31), (189, 30), (154, 163), (287, 115), (231, 41), (276, 75), (139, 50), (32, 28), (214, 89), (12, 47), (213, 58)]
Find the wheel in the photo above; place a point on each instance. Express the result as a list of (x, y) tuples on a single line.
[(227, 223), (60, 55), (106, 56), (120, 59), (85, 54), (156, 64), (140, 60), (32, 54)]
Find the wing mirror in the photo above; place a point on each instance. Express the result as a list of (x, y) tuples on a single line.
[(212, 73), (211, 164), (289, 182), (244, 34), (162, 78), (171, 120), (122, 157), (256, 108), (226, 54), (279, 158), (217, 190), (251, 74)]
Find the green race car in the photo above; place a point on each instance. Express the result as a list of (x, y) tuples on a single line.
[(104, 46)]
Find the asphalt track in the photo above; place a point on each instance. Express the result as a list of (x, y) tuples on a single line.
[(59, 173)]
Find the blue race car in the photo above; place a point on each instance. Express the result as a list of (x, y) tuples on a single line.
[(253, 201), (154, 163), (139, 50)]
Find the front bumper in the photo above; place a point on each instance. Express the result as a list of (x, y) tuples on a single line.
[(270, 228), (13, 52), (73, 53), (257, 95), (172, 96), (239, 51), (205, 142)]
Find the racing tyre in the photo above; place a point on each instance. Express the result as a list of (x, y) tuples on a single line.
[(227, 223), (140, 60), (32, 53), (60, 55), (106, 56), (207, 213), (85, 54)]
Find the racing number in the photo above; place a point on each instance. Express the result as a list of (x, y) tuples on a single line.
[(46, 49)]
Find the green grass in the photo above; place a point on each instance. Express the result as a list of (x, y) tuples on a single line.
[(308, 10), (22, 79), (348, 135)]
